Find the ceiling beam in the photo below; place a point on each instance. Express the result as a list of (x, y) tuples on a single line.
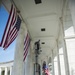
[(41, 15), (42, 37)]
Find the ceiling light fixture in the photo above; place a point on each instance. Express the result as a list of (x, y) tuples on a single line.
[(43, 43), (42, 29), (38, 1)]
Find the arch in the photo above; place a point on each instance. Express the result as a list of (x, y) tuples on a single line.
[(8, 72), (3, 72)]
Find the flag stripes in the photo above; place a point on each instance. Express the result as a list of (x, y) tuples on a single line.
[(46, 71), (11, 29), (26, 46), (7, 28)]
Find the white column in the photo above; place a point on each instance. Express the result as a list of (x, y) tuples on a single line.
[(58, 60), (6, 71), (31, 67), (66, 58), (0, 70), (72, 10), (53, 72), (18, 60), (27, 65), (10, 70), (59, 68), (31, 63), (64, 48)]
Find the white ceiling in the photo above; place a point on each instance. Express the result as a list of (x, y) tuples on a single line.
[(44, 15)]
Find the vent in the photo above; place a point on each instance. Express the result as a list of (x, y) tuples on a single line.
[(42, 29), (38, 1), (43, 43)]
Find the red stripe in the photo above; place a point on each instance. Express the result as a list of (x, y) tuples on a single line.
[(26, 50), (26, 53), (47, 71), (12, 35), (10, 25), (11, 20), (6, 26), (14, 20), (14, 17), (25, 56), (12, 32), (26, 39), (12, 28), (11, 40), (26, 46)]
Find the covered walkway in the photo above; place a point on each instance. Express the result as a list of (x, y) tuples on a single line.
[(51, 22)]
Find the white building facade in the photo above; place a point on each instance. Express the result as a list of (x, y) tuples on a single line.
[(6, 68), (57, 19)]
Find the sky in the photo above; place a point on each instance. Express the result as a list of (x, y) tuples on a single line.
[(8, 54)]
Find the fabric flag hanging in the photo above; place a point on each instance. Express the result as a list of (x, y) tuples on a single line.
[(11, 29), (47, 71), (26, 46)]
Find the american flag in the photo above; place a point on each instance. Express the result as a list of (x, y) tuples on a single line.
[(47, 71), (11, 29), (26, 46)]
